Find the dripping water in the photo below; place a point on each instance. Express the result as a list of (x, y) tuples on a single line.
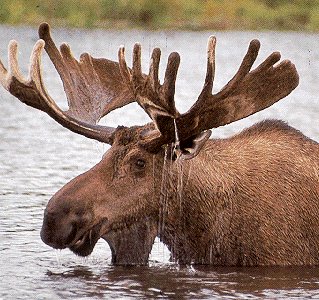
[(179, 163), (160, 249), (57, 256), (163, 199), (163, 193), (172, 156), (177, 149), (179, 188)]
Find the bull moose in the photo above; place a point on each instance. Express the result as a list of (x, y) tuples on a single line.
[(251, 199)]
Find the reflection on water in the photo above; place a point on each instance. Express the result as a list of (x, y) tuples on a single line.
[(203, 282), (37, 157)]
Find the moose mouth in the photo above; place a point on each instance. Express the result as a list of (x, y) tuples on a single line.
[(130, 244), (84, 245)]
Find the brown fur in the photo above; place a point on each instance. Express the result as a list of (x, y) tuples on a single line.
[(248, 200), (252, 199)]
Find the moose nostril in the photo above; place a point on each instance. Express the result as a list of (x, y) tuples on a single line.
[(72, 234), (59, 230), (59, 236), (62, 223)]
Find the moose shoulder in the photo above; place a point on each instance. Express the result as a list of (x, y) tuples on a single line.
[(252, 199)]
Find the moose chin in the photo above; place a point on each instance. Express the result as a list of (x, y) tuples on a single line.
[(248, 200)]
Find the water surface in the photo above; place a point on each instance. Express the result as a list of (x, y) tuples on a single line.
[(38, 156)]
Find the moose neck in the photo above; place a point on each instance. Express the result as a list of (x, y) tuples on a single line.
[(186, 209)]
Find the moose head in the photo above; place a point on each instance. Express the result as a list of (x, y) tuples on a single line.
[(160, 179)]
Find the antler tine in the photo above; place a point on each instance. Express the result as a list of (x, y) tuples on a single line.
[(124, 70), (137, 65), (14, 78), (52, 50), (244, 68), (67, 56), (35, 72), (13, 60), (268, 63), (210, 73), (154, 67), (169, 82)]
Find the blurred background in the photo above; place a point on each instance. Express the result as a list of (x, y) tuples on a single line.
[(297, 15)]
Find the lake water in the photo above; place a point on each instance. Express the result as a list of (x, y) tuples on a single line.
[(38, 156)]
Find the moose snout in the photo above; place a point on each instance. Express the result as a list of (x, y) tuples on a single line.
[(60, 227)]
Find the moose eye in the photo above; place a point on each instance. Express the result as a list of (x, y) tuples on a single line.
[(140, 163)]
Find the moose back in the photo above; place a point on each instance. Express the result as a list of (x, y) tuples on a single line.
[(252, 199)]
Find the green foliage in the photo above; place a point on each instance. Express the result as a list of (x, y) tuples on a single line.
[(159, 14)]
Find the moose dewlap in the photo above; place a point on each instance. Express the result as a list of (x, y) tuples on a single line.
[(252, 199)]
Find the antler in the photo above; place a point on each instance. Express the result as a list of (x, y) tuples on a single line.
[(246, 93), (156, 99), (93, 87)]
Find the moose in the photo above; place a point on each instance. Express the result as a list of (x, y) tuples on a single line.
[(248, 200)]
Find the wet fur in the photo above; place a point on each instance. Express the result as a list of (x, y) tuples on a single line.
[(249, 200)]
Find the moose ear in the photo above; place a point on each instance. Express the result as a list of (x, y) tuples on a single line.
[(195, 145)]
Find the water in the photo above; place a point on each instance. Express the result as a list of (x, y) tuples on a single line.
[(37, 157)]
